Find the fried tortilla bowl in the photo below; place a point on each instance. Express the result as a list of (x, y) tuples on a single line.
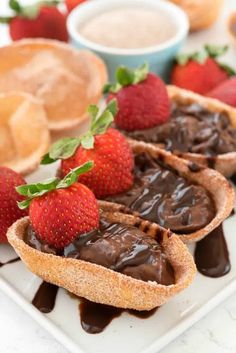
[(224, 163), (65, 79), (201, 13), (219, 188), (103, 285), (24, 134)]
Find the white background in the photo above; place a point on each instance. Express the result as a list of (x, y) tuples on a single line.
[(216, 333)]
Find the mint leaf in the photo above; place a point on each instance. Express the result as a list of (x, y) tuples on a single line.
[(72, 177), (214, 51)]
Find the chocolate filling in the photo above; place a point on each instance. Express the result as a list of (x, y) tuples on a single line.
[(194, 129), (160, 195), (118, 247)]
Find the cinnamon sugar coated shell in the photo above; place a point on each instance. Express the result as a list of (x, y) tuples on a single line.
[(103, 285)]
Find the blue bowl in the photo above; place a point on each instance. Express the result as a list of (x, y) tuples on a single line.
[(160, 57)]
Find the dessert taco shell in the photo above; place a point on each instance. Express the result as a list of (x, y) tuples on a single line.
[(224, 163), (24, 134), (102, 285), (65, 79), (219, 188), (201, 13)]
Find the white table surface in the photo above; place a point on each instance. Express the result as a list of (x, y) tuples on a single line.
[(216, 333)]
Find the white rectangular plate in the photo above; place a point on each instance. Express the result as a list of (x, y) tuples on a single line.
[(126, 333)]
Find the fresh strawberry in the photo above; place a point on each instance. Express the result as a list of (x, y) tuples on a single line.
[(200, 72), (61, 210), (71, 4), (42, 19), (225, 92), (9, 212), (108, 148), (142, 99)]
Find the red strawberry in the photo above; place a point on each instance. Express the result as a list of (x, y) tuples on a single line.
[(71, 4), (40, 20), (142, 99), (225, 92), (113, 160), (9, 211), (61, 210), (200, 72), (111, 153)]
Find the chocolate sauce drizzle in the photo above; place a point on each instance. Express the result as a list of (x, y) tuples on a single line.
[(9, 262), (95, 317), (233, 179), (45, 297), (211, 254)]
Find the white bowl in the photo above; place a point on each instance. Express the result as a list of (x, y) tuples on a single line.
[(159, 56)]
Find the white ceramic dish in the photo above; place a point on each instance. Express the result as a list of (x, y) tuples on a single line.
[(126, 333)]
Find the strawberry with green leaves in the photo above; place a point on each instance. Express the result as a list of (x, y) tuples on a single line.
[(201, 71), (107, 147), (225, 92), (141, 96), (9, 212), (40, 20), (61, 210), (71, 4)]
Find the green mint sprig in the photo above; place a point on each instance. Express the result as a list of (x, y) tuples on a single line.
[(31, 191), (126, 77), (67, 146)]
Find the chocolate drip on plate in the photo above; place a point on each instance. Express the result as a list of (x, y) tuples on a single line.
[(45, 297), (211, 254), (9, 262), (96, 317)]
